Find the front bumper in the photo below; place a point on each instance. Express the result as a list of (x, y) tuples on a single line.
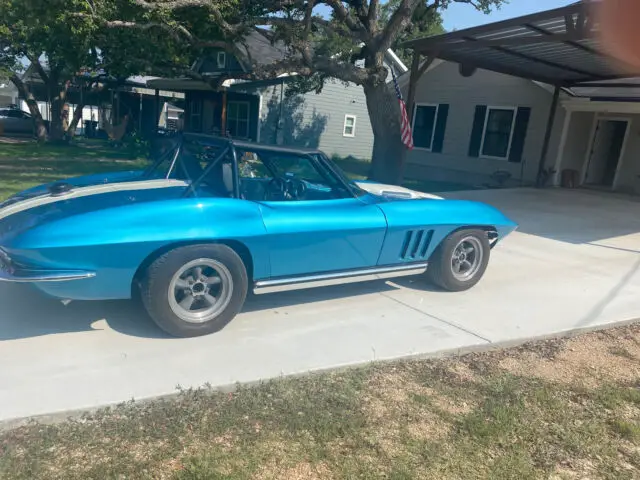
[(10, 272)]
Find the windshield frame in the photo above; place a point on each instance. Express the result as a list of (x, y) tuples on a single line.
[(324, 165)]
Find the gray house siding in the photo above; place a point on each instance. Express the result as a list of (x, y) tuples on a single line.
[(317, 120), (444, 85)]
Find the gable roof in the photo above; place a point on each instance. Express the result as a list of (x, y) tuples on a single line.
[(265, 52)]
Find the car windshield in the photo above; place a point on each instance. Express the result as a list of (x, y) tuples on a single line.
[(336, 170)]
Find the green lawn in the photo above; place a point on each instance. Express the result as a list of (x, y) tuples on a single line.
[(24, 165), (561, 409), (357, 169)]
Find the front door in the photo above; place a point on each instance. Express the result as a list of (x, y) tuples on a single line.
[(313, 224), (605, 153)]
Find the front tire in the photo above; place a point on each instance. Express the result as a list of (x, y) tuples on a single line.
[(460, 260), (195, 290)]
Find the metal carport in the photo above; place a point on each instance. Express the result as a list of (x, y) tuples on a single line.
[(559, 47)]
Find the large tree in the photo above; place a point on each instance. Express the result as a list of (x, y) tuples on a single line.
[(324, 39), (58, 39)]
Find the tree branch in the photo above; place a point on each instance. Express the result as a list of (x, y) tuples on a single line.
[(343, 15), (372, 17), (226, 27), (38, 66), (398, 22)]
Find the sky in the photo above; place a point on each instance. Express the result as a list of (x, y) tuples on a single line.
[(459, 15)]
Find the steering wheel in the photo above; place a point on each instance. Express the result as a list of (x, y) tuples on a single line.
[(297, 188), (285, 189), (277, 188)]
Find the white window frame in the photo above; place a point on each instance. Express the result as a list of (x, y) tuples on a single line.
[(344, 126), (222, 55), (433, 130), (240, 102), (484, 130)]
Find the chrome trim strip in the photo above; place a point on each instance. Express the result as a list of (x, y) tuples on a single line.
[(336, 278), (30, 276)]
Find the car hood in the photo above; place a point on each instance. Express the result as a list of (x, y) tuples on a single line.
[(84, 181), (40, 205), (393, 192)]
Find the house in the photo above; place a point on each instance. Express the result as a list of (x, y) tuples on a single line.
[(146, 107), (533, 98), (335, 120), (8, 94), (467, 128)]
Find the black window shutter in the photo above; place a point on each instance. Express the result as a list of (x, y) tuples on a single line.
[(519, 134), (441, 126), (476, 132)]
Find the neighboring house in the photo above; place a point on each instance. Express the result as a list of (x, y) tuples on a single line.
[(131, 96), (8, 94), (335, 120), (467, 128)]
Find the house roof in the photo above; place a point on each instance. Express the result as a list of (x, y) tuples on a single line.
[(559, 47)]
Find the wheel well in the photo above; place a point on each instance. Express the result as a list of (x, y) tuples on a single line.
[(240, 248), (492, 232)]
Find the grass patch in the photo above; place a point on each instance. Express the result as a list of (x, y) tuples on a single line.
[(440, 419), (358, 169), (25, 165)]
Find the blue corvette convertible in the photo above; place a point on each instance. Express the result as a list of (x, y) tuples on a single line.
[(212, 218)]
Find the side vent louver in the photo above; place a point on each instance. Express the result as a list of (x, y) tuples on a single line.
[(416, 244)]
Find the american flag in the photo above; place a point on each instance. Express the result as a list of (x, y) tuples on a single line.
[(405, 126)]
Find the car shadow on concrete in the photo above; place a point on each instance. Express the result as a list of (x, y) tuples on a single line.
[(26, 313)]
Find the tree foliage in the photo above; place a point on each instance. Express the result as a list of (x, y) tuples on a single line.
[(145, 36)]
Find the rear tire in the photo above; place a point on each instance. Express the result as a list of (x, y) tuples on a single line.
[(194, 290), (460, 260)]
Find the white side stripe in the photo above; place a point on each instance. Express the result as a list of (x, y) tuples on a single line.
[(89, 191)]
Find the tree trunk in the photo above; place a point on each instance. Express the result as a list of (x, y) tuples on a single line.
[(77, 116), (56, 129), (59, 123), (40, 127), (388, 150)]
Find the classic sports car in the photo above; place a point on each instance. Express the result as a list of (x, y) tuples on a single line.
[(212, 218)]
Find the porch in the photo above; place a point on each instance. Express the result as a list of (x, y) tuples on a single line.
[(226, 112), (599, 146)]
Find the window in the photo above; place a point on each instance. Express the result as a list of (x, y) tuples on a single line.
[(349, 128), (11, 113), (424, 124), (280, 176), (195, 116), (221, 59), (498, 131), (238, 119)]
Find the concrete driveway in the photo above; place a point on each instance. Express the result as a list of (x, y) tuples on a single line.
[(574, 263)]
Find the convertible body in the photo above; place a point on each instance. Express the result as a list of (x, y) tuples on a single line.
[(94, 237)]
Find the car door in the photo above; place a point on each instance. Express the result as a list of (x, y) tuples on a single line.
[(323, 229), (17, 121)]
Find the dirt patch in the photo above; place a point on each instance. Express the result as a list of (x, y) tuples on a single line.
[(519, 413), (300, 471), (586, 360)]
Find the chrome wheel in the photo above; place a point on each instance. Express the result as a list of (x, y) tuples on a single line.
[(466, 259), (200, 290)]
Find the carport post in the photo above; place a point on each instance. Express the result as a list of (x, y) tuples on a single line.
[(547, 135)]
